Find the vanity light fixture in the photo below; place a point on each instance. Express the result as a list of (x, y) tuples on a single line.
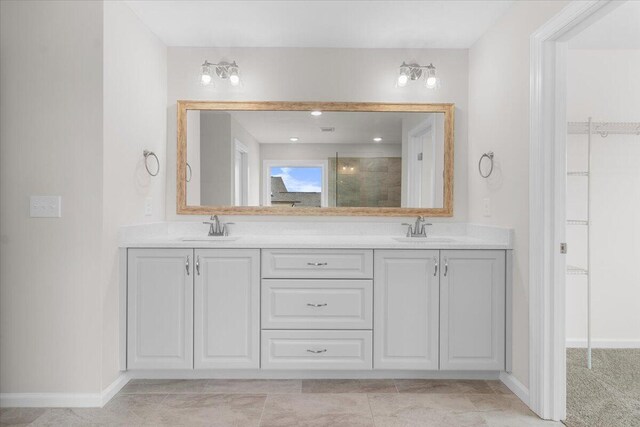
[(293, 139), (224, 70), (415, 72), (316, 113), (377, 139)]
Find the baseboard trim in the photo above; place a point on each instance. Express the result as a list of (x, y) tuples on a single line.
[(188, 374), (64, 400), (113, 389), (582, 343), (515, 386)]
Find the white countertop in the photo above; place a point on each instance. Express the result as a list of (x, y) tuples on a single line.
[(173, 235)]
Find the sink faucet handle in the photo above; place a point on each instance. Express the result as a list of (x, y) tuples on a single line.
[(410, 229), (225, 229)]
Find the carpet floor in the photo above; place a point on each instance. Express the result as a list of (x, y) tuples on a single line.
[(608, 395)]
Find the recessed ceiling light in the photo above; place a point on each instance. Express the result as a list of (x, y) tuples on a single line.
[(377, 139), (316, 113), (293, 139)]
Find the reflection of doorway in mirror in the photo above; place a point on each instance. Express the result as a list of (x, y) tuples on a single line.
[(425, 164), (241, 174), (420, 171)]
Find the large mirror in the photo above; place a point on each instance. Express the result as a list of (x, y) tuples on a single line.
[(315, 158)]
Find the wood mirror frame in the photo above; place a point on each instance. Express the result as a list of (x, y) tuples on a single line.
[(184, 106)]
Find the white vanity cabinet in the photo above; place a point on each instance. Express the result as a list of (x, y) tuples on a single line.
[(227, 309), (160, 309), (316, 309), (472, 310), (440, 310), (191, 308), (406, 288)]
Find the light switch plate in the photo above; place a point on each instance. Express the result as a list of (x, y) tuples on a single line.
[(45, 206), (148, 206), (486, 206)]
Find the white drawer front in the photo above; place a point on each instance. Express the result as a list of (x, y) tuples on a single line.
[(317, 263), (317, 304), (316, 350)]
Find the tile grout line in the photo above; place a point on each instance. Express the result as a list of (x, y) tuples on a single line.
[(373, 419), (263, 408)]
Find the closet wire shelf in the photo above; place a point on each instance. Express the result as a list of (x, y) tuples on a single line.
[(604, 128)]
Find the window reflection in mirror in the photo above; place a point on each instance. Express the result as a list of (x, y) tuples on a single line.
[(295, 159)]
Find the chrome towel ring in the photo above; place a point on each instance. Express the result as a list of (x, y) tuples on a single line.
[(147, 154), (488, 155), (190, 173)]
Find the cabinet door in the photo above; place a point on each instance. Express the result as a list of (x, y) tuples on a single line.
[(472, 310), (406, 309), (160, 309), (227, 309)]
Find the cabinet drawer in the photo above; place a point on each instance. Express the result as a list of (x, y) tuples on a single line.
[(316, 350), (317, 263), (317, 304)]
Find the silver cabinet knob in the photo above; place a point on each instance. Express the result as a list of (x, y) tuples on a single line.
[(186, 266), (317, 305), (317, 351), (317, 264)]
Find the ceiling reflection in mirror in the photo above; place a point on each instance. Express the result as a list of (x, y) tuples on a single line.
[(298, 159)]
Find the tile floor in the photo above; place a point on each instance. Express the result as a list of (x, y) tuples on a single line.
[(299, 403)]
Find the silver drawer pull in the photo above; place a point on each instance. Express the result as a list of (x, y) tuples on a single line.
[(317, 305), (317, 264), (317, 351)]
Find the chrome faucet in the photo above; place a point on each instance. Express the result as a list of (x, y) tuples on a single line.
[(418, 229), (216, 228)]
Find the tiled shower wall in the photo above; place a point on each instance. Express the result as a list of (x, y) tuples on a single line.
[(365, 182)]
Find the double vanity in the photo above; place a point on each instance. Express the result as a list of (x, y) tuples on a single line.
[(342, 298), (302, 305)]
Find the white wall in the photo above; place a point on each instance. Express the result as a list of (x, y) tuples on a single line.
[(135, 93), (216, 154), (499, 122), (51, 144), (71, 127), (615, 195), (292, 74)]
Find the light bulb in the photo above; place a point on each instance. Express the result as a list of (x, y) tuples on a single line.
[(403, 79), (431, 80), (205, 78), (293, 139), (316, 113), (234, 78), (377, 139)]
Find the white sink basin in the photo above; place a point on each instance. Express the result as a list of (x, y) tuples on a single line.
[(210, 238), (424, 239)]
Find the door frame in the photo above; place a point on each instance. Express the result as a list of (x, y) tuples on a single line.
[(240, 149), (547, 176)]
